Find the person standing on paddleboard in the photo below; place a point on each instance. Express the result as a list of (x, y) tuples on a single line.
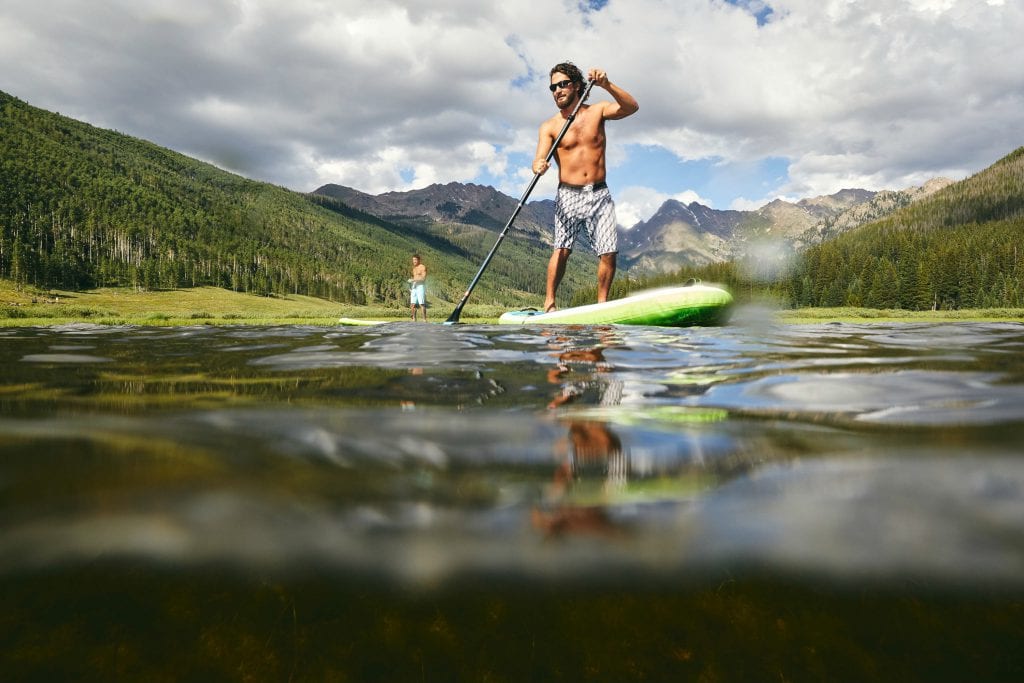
[(418, 288), (583, 201)]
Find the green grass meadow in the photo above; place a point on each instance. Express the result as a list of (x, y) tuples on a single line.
[(26, 306)]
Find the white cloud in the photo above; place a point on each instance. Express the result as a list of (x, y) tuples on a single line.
[(874, 93), (744, 204)]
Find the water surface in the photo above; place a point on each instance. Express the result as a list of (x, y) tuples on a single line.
[(432, 502)]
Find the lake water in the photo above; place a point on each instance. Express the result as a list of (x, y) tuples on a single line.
[(416, 502)]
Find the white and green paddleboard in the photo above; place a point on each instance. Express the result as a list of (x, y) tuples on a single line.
[(682, 306), (695, 304)]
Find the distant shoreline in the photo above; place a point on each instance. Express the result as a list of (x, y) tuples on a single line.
[(871, 315), (27, 307)]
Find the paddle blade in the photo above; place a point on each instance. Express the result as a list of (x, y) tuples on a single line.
[(454, 317)]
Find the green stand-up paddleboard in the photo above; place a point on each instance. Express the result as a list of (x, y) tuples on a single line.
[(683, 306), (695, 304)]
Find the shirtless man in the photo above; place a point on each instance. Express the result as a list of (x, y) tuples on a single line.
[(583, 201), (418, 288)]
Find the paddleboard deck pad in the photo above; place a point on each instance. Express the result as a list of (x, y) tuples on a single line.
[(682, 306)]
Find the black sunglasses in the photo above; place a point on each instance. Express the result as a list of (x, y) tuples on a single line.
[(560, 84)]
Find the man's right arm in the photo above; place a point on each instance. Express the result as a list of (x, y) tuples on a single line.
[(544, 142)]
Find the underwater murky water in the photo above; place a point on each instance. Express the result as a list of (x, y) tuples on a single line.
[(431, 502)]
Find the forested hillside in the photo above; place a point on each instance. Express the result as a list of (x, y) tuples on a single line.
[(83, 207), (959, 248)]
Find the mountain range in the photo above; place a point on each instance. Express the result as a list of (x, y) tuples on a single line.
[(676, 236), (461, 203)]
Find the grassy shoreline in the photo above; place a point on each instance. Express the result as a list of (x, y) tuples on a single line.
[(28, 307), (801, 316)]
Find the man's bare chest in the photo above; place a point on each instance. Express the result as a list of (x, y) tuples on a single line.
[(585, 132)]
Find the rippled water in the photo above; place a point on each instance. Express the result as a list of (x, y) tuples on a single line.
[(739, 503)]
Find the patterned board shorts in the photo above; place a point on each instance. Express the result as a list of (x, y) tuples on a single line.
[(587, 208)]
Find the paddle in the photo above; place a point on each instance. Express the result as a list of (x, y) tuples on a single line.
[(454, 317)]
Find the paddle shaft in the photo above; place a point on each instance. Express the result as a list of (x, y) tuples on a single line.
[(454, 317)]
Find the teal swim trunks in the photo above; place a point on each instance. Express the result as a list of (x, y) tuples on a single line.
[(418, 295)]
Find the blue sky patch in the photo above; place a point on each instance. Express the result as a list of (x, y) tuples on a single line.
[(716, 181), (761, 10)]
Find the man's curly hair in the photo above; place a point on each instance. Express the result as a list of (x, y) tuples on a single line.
[(573, 72)]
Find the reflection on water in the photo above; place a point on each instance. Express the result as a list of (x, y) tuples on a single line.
[(424, 502)]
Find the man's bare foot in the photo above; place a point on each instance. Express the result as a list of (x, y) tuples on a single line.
[(550, 307)]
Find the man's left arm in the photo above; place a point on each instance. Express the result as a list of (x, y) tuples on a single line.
[(624, 104)]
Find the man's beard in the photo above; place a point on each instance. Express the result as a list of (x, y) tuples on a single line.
[(568, 102)]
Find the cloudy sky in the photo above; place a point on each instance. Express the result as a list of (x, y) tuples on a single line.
[(741, 101)]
